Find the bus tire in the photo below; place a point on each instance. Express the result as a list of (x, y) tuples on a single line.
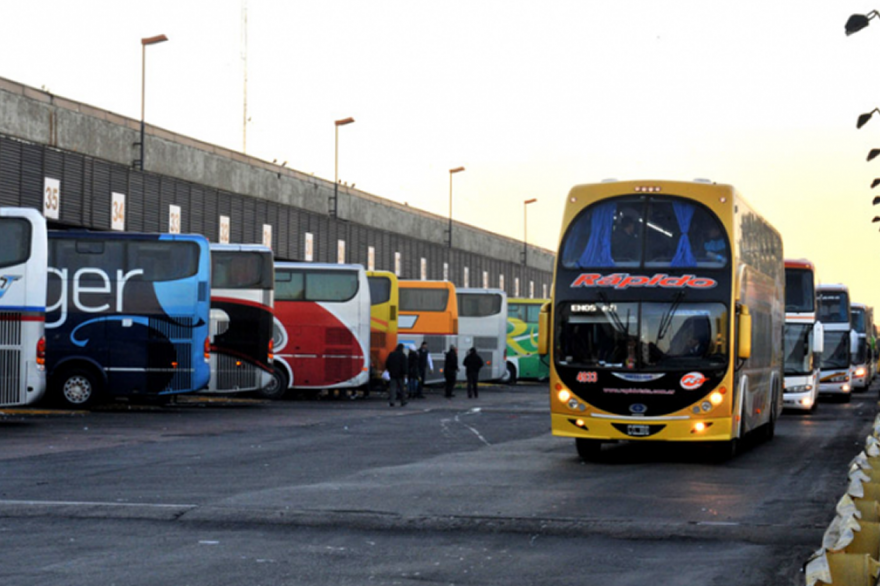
[(588, 449), (511, 374), (78, 387), (277, 388)]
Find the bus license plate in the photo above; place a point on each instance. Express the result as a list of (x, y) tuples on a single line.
[(638, 430)]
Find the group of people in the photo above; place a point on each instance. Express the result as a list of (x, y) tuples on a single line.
[(406, 372)]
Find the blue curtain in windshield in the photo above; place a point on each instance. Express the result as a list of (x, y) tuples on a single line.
[(684, 256), (598, 250)]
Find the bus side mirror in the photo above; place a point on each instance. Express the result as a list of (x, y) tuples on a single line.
[(853, 343), (744, 326), (818, 338), (544, 330)]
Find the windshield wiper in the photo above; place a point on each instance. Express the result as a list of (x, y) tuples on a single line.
[(666, 319), (612, 312)]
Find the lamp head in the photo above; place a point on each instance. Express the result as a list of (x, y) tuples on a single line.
[(875, 183), (863, 119), (856, 23), (876, 200), (873, 153)]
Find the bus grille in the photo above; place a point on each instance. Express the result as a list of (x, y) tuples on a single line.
[(10, 358), (231, 377), (436, 344), (10, 376), (182, 379), (173, 328), (486, 342), (10, 328), (378, 339), (337, 337)]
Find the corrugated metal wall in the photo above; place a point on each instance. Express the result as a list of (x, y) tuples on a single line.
[(87, 185)]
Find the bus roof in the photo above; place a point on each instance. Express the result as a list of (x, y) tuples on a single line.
[(413, 284), (320, 265), (832, 287), (524, 300), (240, 247), (800, 263), (479, 290)]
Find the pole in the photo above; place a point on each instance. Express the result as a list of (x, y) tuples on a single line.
[(143, 95), (525, 228), (335, 174), (451, 172)]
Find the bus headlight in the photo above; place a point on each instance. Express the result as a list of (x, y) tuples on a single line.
[(860, 371), (564, 395), (716, 398), (699, 427)]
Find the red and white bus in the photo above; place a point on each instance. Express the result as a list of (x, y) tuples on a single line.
[(322, 326), (803, 340)]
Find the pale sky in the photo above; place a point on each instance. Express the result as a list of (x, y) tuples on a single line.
[(530, 97)]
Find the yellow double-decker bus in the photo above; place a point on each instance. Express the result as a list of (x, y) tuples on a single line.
[(666, 317), (384, 303)]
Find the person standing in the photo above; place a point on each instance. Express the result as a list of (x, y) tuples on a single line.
[(450, 370), (425, 364), (472, 365), (412, 374), (396, 365)]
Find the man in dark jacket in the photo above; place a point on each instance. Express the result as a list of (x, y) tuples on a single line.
[(396, 364), (472, 365), (412, 375), (425, 364), (450, 370)]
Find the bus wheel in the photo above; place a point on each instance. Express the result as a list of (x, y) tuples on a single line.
[(78, 387), (511, 374), (277, 387), (589, 450)]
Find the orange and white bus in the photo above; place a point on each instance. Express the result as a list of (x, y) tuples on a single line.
[(428, 313), (384, 303), (666, 317)]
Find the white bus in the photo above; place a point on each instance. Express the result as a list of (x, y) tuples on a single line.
[(834, 313), (482, 324), (23, 266), (803, 340), (861, 379)]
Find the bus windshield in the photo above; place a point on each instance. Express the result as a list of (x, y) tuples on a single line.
[(833, 307), (241, 270), (380, 290), (647, 335), (799, 295), (797, 344), (16, 247), (651, 232), (836, 353)]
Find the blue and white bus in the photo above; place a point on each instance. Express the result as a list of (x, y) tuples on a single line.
[(482, 324), (22, 306), (127, 315)]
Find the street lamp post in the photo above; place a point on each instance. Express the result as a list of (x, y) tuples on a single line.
[(525, 227), (144, 42), (334, 209), (451, 173)]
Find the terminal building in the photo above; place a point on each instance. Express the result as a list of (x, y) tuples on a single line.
[(79, 164)]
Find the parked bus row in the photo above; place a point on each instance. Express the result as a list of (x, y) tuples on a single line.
[(674, 317), (150, 315)]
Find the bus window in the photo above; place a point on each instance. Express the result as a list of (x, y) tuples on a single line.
[(16, 241), (289, 286), (380, 290), (331, 286), (412, 299), (241, 270), (470, 305), (163, 261), (682, 235), (799, 292)]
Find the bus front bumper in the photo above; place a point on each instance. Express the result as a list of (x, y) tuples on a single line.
[(687, 429)]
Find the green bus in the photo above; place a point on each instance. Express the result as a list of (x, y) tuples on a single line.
[(523, 360)]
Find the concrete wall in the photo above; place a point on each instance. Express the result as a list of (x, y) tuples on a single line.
[(40, 117)]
